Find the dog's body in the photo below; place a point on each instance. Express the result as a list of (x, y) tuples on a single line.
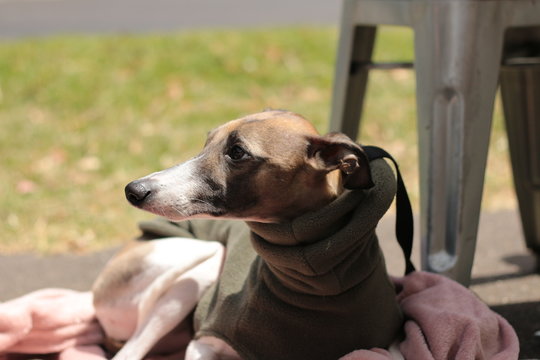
[(270, 169), (148, 288)]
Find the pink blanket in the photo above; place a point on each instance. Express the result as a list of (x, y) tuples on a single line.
[(444, 321), (50, 321)]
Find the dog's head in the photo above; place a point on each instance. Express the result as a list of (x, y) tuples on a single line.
[(266, 167)]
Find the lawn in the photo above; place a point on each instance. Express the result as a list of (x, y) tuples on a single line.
[(83, 115)]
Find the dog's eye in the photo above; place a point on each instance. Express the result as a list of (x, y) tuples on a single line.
[(237, 153)]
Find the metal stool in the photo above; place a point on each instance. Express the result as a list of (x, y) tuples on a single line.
[(458, 50)]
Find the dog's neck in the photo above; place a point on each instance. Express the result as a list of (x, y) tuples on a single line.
[(322, 221), (335, 187), (301, 252), (324, 191)]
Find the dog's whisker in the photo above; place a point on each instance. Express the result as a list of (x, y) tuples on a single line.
[(201, 201), (177, 209)]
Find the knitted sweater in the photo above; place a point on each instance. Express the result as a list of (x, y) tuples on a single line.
[(312, 288)]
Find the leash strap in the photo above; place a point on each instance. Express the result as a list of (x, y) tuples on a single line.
[(404, 216)]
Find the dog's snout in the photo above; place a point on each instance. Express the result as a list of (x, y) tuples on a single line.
[(137, 192)]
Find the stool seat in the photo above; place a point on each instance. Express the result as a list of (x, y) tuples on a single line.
[(458, 45)]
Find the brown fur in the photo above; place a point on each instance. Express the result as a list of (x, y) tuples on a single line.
[(288, 170)]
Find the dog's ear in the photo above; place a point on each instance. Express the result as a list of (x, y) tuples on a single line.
[(337, 151)]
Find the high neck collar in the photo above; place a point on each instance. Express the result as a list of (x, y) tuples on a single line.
[(331, 249), (312, 226)]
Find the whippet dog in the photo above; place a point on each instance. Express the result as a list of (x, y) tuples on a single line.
[(267, 168)]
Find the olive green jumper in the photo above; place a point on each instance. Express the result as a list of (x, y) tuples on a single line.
[(312, 288)]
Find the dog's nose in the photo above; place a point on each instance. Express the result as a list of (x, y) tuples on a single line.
[(137, 192)]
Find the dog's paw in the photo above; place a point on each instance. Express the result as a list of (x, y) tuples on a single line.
[(210, 348)]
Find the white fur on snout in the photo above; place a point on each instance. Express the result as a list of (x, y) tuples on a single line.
[(174, 189)]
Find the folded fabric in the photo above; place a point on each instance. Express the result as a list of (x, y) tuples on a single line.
[(446, 321), (48, 321), (55, 340)]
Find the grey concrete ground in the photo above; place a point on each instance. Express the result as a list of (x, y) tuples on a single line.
[(19, 18), (503, 276)]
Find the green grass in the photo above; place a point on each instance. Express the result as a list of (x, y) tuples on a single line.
[(81, 116)]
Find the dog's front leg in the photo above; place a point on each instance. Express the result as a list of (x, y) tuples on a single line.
[(171, 307)]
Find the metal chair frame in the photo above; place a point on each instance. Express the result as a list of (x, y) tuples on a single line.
[(458, 47)]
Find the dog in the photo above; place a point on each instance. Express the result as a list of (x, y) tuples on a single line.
[(267, 169)]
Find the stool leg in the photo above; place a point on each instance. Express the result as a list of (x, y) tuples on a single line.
[(520, 89), (354, 53), (458, 47)]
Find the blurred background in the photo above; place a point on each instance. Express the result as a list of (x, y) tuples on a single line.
[(96, 93)]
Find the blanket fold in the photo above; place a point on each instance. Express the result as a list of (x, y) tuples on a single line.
[(446, 321), (48, 321)]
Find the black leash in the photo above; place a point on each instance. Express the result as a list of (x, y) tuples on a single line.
[(404, 215)]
